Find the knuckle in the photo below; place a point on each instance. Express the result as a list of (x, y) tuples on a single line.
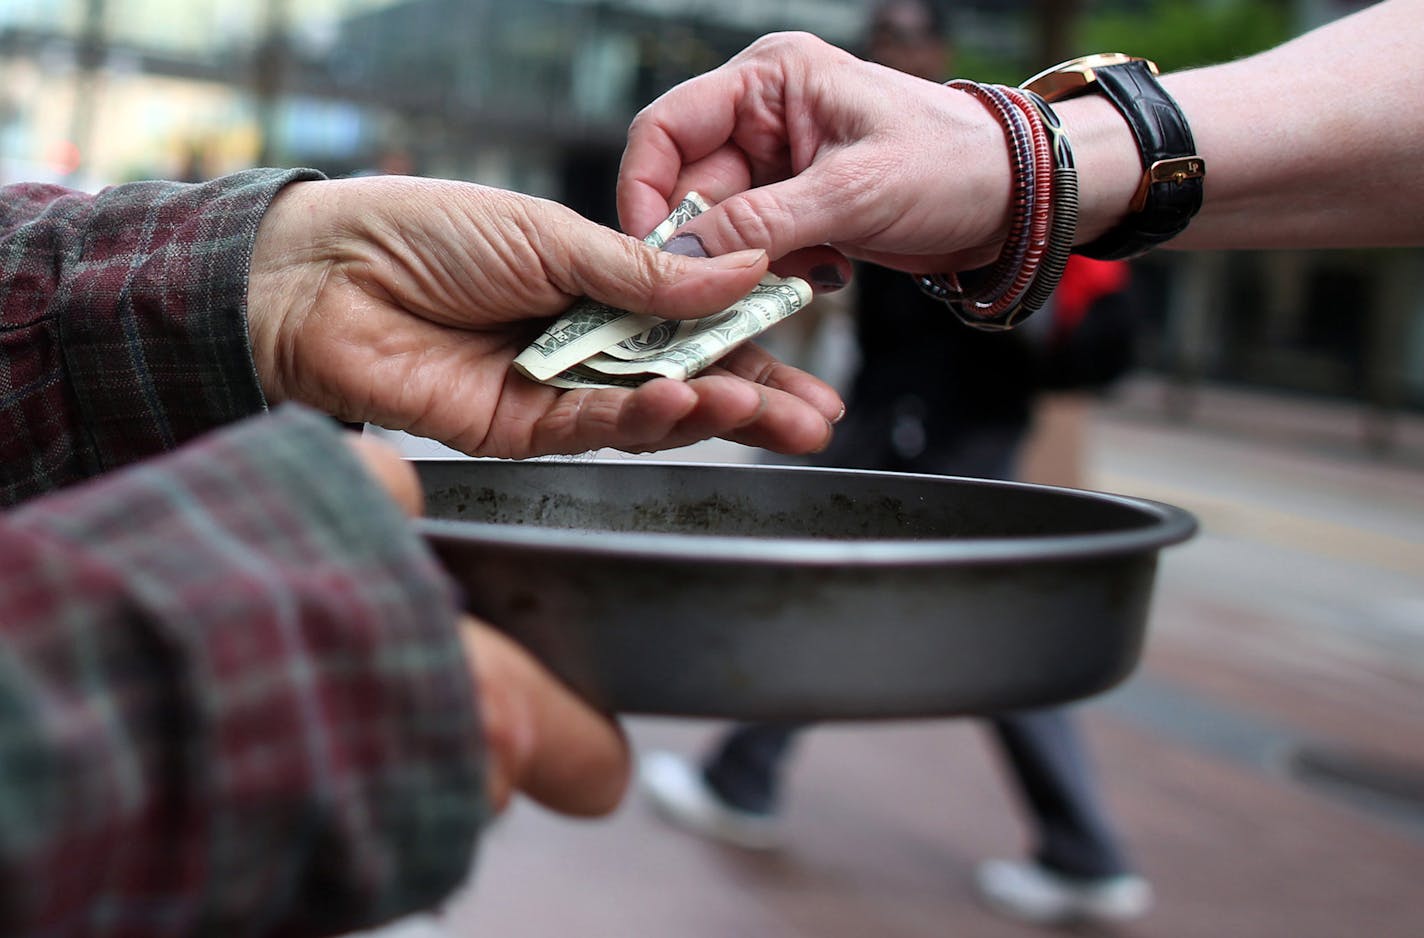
[(644, 273), (790, 50), (581, 420), (556, 430), (754, 224), (599, 418), (784, 41), (641, 121)]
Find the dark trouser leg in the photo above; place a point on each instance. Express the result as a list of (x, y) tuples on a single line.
[(1056, 781), (745, 770)]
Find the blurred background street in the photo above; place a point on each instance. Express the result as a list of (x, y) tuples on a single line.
[(1266, 763)]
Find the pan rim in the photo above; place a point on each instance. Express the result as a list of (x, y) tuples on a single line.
[(1164, 525)]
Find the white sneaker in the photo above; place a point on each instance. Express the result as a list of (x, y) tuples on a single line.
[(682, 797), (1032, 893)]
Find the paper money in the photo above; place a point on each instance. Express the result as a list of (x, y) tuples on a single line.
[(580, 377), (589, 327), (689, 208), (594, 345), (682, 349)]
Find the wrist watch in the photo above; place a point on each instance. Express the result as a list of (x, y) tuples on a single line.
[(1170, 191)]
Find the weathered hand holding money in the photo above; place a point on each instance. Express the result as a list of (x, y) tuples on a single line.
[(403, 302), (594, 345)]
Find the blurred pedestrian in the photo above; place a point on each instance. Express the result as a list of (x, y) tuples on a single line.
[(932, 395)]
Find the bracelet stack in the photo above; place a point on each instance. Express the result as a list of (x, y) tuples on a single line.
[(1044, 213), (1042, 225)]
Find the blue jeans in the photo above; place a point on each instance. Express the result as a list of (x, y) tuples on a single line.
[(1042, 749)]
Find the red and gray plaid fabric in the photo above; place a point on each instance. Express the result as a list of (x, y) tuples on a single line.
[(232, 696)]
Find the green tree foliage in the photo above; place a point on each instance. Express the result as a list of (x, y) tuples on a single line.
[(1175, 34), (1180, 34)]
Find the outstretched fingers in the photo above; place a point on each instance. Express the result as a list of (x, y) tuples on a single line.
[(758, 413), (755, 364), (786, 422), (787, 410), (583, 420)]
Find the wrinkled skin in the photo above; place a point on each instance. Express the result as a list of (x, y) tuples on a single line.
[(403, 302), (791, 120)]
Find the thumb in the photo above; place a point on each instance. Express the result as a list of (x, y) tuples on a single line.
[(779, 218), (628, 274)]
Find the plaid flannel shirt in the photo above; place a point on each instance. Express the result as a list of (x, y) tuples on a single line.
[(232, 696)]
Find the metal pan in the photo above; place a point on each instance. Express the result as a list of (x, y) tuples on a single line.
[(784, 593)]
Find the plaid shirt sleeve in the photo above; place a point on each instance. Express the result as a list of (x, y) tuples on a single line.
[(232, 699), (123, 326)]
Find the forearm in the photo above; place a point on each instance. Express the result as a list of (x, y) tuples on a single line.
[(124, 322), (1316, 143), (234, 693)]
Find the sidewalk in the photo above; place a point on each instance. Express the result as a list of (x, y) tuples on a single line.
[(1266, 762)]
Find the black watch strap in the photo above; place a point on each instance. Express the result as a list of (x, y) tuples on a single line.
[(1170, 192), (1171, 189)]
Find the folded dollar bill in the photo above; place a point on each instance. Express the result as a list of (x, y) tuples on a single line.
[(595, 345)]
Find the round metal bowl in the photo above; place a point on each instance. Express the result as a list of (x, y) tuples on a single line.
[(786, 593)]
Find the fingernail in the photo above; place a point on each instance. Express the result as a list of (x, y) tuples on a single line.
[(840, 416), (827, 277), (688, 245), (738, 259)]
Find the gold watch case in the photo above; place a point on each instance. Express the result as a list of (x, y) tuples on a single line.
[(1075, 76)]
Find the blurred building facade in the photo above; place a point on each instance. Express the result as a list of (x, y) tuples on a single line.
[(505, 91), (536, 95)]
